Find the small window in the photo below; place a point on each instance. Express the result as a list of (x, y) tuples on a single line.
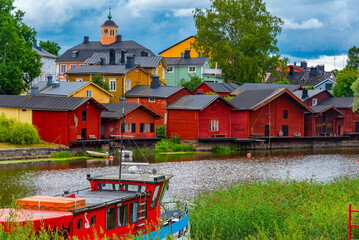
[(191, 69), (154, 197), (314, 102), (134, 188), (151, 99), (112, 85), (93, 220), (324, 118), (156, 72), (285, 114), (83, 115), (23, 110), (72, 66), (133, 212), (163, 190), (163, 73), (79, 80), (170, 69), (112, 32), (146, 127), (79, 223), (182, 54), (63, 68), (328, 86), (123, 215), (88, 93), (213, 125), (128, 85), (128, 127), (108, 186), (110, 218)]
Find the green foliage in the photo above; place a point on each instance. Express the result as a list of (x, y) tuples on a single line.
[(161, 131), (81, 154), (211, 93), (345, 79), (270, 209), (51, 47), (19, 63), (98, 80), (62, 154), (353, 57), (355, 89), (228, 98), (175, 138), (166, 145), (283, 81), (219, 149), (241, 36), (191, 84)]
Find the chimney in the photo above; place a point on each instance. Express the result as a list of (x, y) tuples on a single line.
[(313, 71), (56, 84), (295, 64), (86, 39), (122, 57), (34, 91), (130, 62), (122, 100), (291, 70), (199, 93), (187, 54), (119, 38), (155, 82), (112, 57), (36, 46), (305, 93), (49, 81), (303, 64), (320, 68), (103, 61)]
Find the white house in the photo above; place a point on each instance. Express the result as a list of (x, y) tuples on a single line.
[(48, 67)]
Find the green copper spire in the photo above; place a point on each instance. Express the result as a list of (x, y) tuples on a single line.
[(109, 13)]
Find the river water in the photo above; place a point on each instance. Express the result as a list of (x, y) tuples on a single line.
[(193, 173)]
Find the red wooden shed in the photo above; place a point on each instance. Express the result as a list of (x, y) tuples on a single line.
[(139, 121), (312, 97), (222, 89), (268, 112), (199, 116)]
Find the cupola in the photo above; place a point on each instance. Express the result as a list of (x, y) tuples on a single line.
[(109, 31)]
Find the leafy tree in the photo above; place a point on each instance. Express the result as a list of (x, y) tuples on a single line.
[(51, 47), (283, 81), (241, 36), (19, 64), (98, 80), (345, 79), (353, 57), (355, 89), (191, 84)]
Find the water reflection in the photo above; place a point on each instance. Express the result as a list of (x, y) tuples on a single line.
[(193, 173)]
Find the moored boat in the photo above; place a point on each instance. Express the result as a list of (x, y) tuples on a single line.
[(96, 154)]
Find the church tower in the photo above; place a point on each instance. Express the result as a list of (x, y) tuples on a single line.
[(108, 31)]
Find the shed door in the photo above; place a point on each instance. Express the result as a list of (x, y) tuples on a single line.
[(102, 130), (356, 126), (285, 130), (266, 131)]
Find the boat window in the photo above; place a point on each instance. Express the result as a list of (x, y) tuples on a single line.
[(93, 220), (154, 197), (79, 223), (164, 188), (123, 215), (110, 218), (133, 212), (108, 186), (134, 188)]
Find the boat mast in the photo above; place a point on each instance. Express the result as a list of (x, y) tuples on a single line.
[(122, 100)]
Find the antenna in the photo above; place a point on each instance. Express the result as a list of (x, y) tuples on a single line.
[(122, 100)]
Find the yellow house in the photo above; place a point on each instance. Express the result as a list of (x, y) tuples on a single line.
[(72, 89), (178, 49), (20, 115), (120, 78)]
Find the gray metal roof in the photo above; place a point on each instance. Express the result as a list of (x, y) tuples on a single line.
[(250, 99), (303, 78), (193, 102), (257, 86), (321, 108), (109, 23), (48, 103), (339, 102), (100, 69), (65, 88), (44, 53), (147, 91), (115, 109), (311, 93), (222, 87), (200, 61), (86, 50)]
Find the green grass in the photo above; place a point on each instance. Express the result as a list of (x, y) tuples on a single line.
[(276, 210), (220, 149), (61, 154), (166, 145), (41, 160)]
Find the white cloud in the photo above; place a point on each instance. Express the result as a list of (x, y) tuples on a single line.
[(308, 24), (330, 62), (188, 12)]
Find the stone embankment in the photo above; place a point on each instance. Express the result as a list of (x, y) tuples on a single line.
[(28, 153)]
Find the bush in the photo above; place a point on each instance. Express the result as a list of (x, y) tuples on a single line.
[(218, 148), (166, 145), (23, 133), (161, 131), (62, 154), (81, 154), (175, 138)]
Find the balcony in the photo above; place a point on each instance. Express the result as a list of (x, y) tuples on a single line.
[(213, 71)]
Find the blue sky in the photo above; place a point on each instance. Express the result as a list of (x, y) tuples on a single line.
[(319, 31)]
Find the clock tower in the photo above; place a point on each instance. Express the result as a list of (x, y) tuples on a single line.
[(108, 31)]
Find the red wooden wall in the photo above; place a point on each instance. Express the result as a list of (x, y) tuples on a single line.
[(320, 98), (137, 117), (182, 123), (60, 127), (239, 122), (205, 89), (309, 124), (350, 118)]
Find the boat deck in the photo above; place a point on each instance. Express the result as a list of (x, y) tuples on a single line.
[(144, 177)]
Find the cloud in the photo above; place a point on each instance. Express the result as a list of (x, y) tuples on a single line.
[(183, 12), (308, 24), (330, 62)]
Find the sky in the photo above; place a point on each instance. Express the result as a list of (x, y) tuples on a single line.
[(316, 31)]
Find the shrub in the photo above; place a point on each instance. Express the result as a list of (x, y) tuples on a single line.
[(81, 154), (175, 138), (161, 131), (166, 145), (62, 154), (218, 148), (23, 133)]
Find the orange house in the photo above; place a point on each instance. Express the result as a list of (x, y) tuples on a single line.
[(178, 49)]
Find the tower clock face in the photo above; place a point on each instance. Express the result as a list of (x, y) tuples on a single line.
[(106, 30)]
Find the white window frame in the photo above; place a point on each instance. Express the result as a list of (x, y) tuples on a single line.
[(156, 72), (190, 69), (128, 85), (170, 69), (72, 66), (213, 125), (146, 127), (88, 93), (151, 99), (79, 79), (112, 32), (128, 127), (163, 73), (63, 68), (112, 83), (314, 102)]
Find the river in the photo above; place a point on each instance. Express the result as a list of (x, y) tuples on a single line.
[(193, 173)]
